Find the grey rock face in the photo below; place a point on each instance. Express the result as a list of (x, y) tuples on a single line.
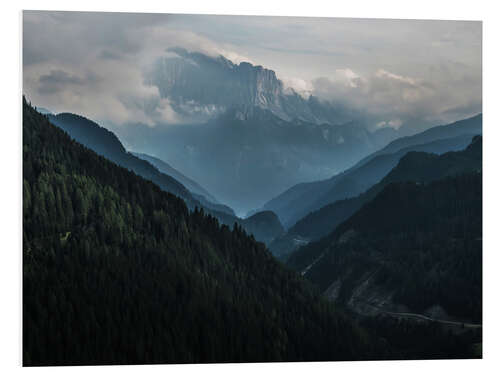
[(200, 85)]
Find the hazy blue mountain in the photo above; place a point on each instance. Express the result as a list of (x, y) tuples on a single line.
[(166, 168), (44, 111), (243, 126), (245, 156), (117, 271), (413, 166), (413, 248), (198, 192), (266, 225), (304, 198), (107, 144), (468, 126)]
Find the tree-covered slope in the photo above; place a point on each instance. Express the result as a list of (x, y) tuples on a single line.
[(166, 168), (266, 224), (301, 199), (416, 247), (414, 166), (105, 143), (357, 180), (117, 271)]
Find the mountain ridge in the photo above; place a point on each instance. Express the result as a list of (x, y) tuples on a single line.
[(107, 144), (126, 270), (299, 200), (183, 78), (423, 257), (413, 166)]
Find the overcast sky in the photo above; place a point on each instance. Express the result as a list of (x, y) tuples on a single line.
[(397, 71)]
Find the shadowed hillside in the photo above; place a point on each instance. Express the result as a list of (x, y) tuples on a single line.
[(123, 269)]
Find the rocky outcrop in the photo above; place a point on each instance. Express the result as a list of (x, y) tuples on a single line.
[(198, 84)]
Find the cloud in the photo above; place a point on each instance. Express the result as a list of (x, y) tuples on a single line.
[(392, 99), (94, 63), (298, 85), (381, 73), (394, 123), (58, 80)]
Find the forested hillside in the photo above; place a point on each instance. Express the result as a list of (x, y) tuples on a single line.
[(117, 271), (301, 199), (414, 166), (414, 248), (191, 185), (243, 189), (105, 143)]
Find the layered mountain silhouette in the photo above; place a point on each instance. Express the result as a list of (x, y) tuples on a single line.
[(414, 166), (468, 126), (300, 200), (107, 144), (125, 272), (164, 167), (198, 192), (415, 248), (242, 126)]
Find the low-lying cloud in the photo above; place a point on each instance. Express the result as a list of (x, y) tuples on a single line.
[(392, 99)]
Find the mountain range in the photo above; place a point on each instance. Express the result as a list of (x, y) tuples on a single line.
[(302, 199), (125, 270), (414, 166), (199, 85), (191, 185), (240, 126), (407, 244), (415, 248), (115, 241), (107, 144)]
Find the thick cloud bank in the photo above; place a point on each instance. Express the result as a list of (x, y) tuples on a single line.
[(399, 73)]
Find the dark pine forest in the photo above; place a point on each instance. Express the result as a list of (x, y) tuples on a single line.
[(117, 271)]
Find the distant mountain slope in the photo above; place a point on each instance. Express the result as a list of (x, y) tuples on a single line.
[(469, 126), (265, 224), (241, 126), (122, 268), (105, 143), (164, 167), (414, 166), (44, 111), (302, 199), (199, 193), (234, 153), (415, 247)]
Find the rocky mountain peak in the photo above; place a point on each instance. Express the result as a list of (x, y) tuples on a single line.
[(197, 82)]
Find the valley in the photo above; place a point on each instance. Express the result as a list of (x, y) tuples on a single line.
[(202, 189)]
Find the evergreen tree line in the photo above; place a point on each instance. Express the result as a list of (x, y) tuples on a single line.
[(421, 241), (117, 271)]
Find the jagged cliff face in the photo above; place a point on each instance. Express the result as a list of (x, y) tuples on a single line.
[(246, 137), (202, 86)]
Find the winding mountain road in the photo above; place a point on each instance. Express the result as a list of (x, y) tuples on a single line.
[(423, 317)]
